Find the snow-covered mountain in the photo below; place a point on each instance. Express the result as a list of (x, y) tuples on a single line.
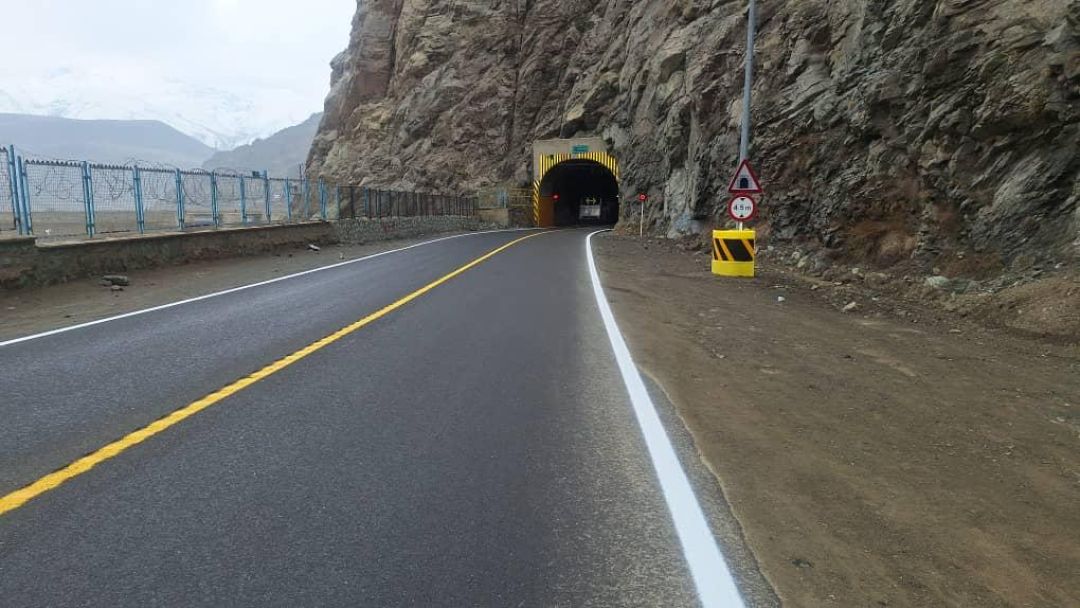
[(103, 141), (221, 119), (281, 154)]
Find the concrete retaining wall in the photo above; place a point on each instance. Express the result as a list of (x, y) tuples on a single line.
[(363, 230), (18, 259), (25, 263), (521, 217), (497, 217)]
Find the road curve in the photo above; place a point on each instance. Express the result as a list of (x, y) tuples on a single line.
[(473, 446)]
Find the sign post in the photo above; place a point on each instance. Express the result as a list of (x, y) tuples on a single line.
[(734, 250), (744, 184), (748, 81), (641, 225)]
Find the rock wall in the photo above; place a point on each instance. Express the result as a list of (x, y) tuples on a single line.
[(363, 230), (888, 129)]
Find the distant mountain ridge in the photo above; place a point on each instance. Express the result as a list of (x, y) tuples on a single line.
[(281, 154), (106, 141), (220, 118)]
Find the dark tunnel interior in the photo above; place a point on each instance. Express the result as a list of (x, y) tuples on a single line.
[(586, 193)]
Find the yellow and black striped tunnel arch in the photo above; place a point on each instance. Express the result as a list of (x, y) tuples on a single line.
[(549, 161)]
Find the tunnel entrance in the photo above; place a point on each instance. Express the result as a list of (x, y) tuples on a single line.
[(578, 192)]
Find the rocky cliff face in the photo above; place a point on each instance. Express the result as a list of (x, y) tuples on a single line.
[(890, 129)]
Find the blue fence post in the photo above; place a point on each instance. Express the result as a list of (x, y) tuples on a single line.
[(243, 201), (214, 200), (24, 197), (88, 197), (266, 194), (322, 199), (179, 201), (140, 209), (288, 199), (13, 184), (306, 194)]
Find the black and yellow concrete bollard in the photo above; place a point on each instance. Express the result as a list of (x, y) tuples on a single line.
[(733, 253)]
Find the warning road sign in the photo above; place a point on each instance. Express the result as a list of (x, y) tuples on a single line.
[(745, 180), (742, 209)]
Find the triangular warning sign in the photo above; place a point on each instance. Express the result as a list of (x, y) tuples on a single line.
[(745, 180)]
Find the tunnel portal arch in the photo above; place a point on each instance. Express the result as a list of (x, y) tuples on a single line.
[(576, 187)]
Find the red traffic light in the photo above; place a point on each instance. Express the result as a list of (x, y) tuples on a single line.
[(643, 197), (554, 197)]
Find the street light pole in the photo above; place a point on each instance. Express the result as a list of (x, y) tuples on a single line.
[(748, 83), (751, 27)]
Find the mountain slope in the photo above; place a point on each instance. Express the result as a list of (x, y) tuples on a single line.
[(890, 130), (107, 141), (281, 154)]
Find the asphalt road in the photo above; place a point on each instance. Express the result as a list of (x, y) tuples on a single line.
[(474, 447)]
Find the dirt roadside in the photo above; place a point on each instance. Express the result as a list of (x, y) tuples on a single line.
[(871, 461), (32, 310)]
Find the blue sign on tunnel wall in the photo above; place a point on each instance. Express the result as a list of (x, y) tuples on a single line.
[(579, 149)]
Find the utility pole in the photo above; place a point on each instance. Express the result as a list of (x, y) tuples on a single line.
[(748, 84), (751, 27)]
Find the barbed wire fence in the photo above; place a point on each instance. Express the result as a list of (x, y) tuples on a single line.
[(50, 198), (10, 213)]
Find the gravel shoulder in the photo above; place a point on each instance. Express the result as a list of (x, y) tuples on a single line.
[(28, 311), (872, 460)]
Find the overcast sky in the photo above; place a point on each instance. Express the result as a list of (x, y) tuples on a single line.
[(231, 45)]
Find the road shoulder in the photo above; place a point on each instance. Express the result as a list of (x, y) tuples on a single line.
[(869, 461), (29, 311)]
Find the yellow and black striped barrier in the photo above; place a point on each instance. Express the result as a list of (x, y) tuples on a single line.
[(733, 253)]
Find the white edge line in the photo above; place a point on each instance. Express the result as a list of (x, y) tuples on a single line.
[(713, 579), (144, 311)]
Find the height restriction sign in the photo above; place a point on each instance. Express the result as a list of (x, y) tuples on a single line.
[(742, 208)]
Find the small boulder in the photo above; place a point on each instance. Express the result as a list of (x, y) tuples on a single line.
[(876, 280), (851, 307), (116, 279), (938, 282), (946, 284)]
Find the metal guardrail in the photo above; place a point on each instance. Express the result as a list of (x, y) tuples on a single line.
[(363, 202), (59, 198)]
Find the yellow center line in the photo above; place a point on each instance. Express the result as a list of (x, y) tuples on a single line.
[(53, 480)]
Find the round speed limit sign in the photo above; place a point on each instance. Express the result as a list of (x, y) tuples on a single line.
[(742, 209)]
